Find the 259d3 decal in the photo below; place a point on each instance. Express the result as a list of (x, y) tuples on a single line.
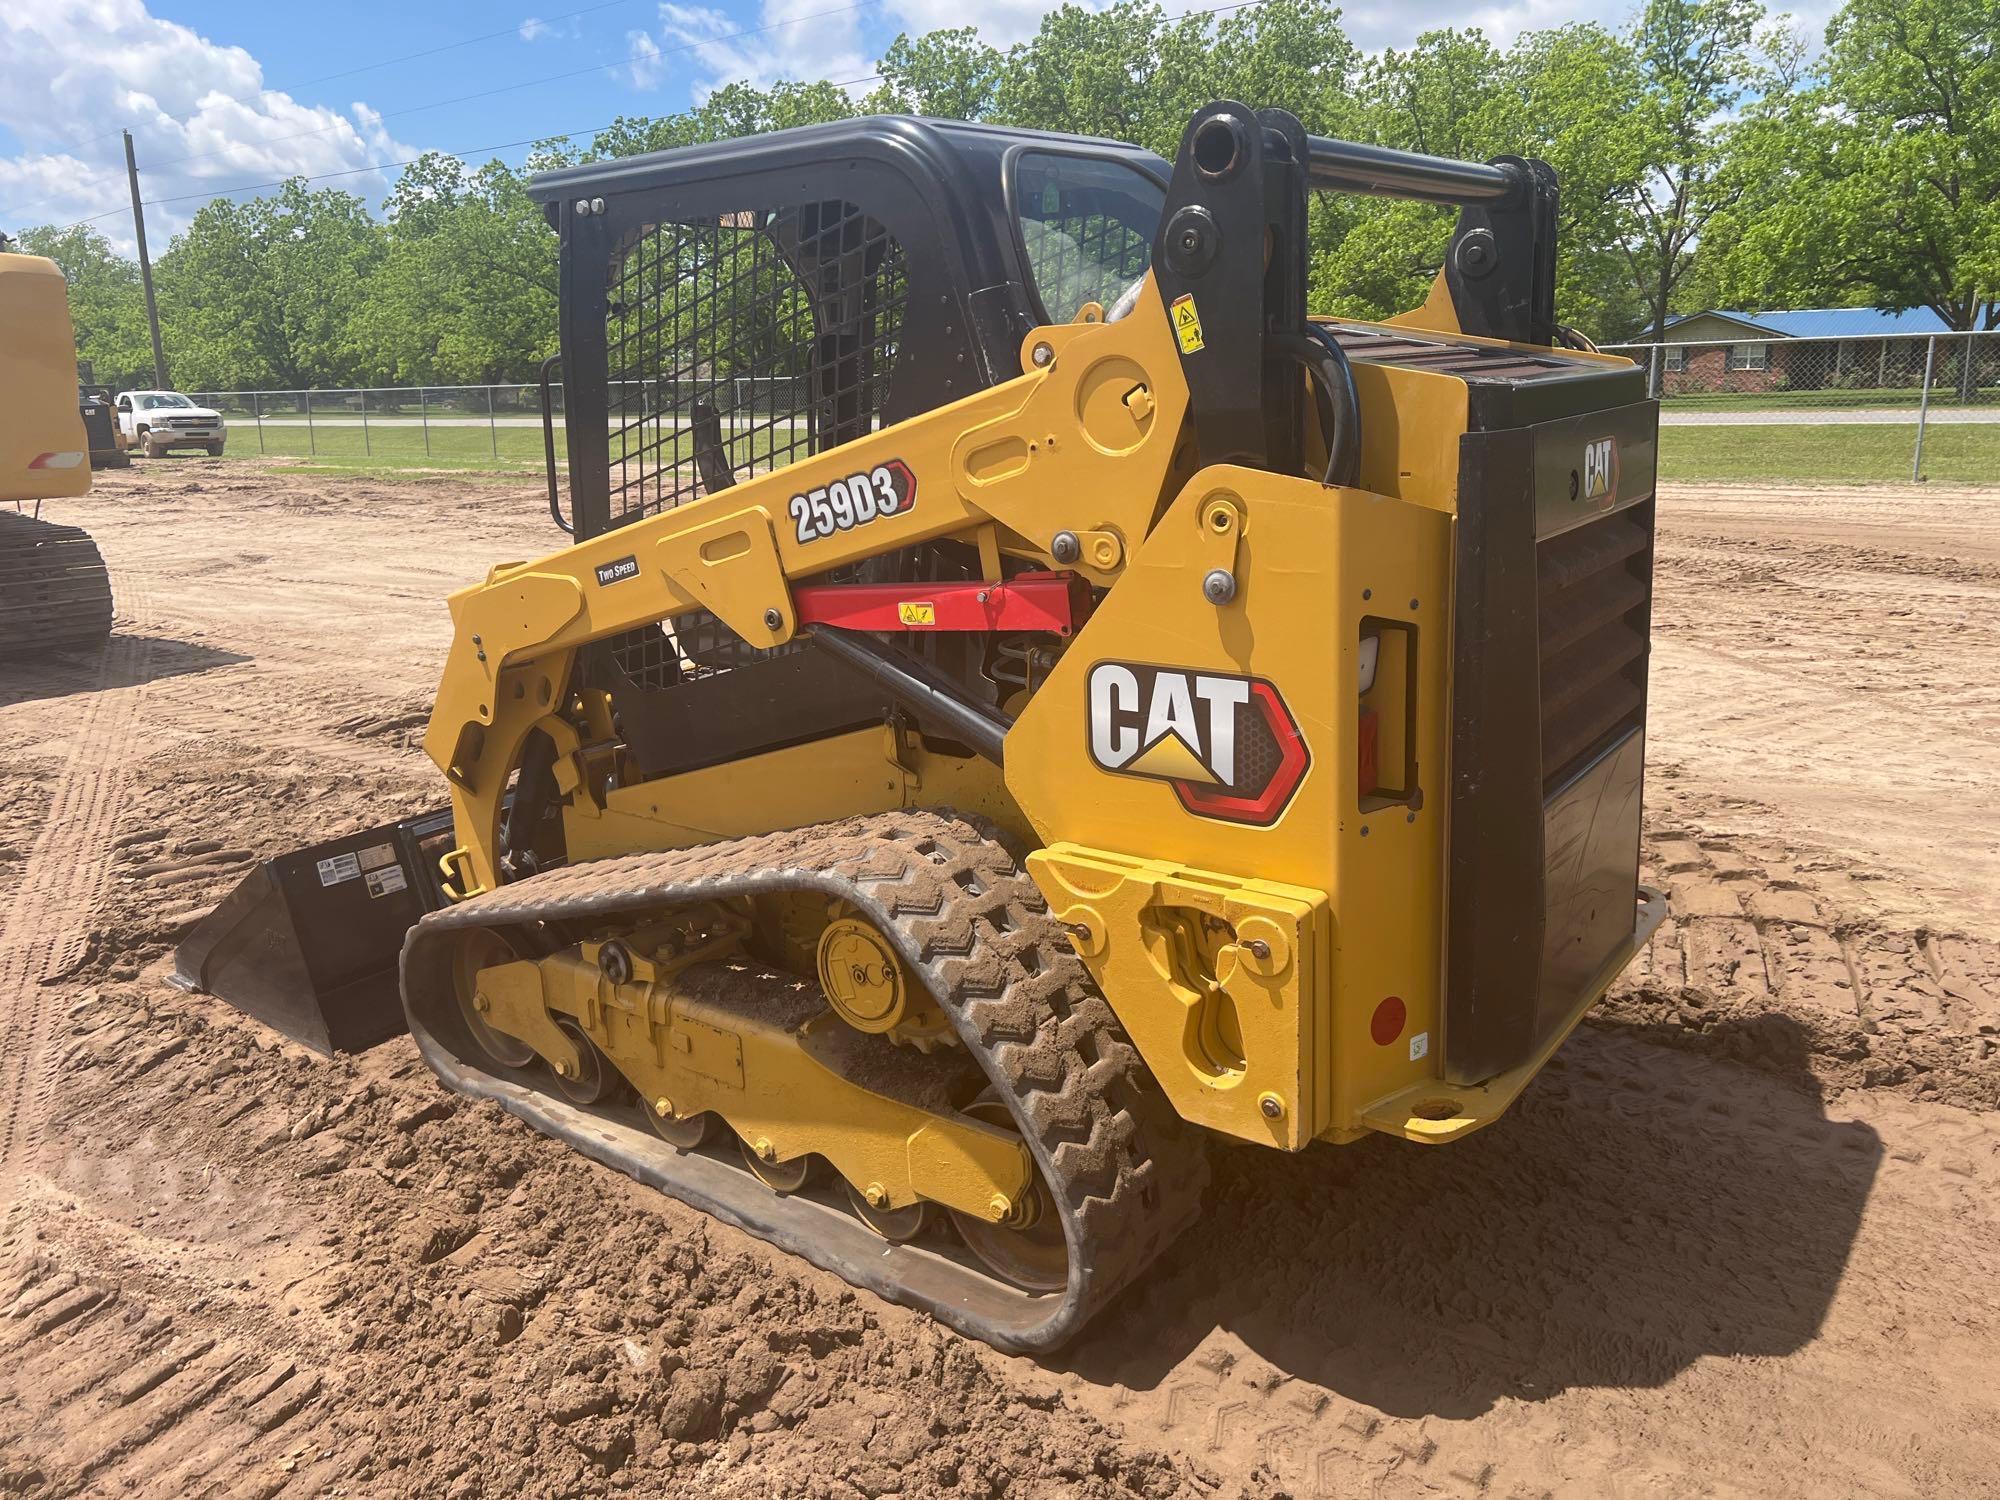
[(1228, 745), (854, 501)]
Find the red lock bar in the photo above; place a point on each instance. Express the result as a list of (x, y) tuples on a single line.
[(1052, 602)]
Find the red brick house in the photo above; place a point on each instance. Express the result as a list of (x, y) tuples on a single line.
[(1852, 348)]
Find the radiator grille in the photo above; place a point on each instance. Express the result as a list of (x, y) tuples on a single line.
[(737, 346), (1595, 590)]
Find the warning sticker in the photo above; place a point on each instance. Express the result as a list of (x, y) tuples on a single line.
[(1187, 324), (340, 867), (1420, 1045), (386, 882), (916, 614), (377, 855)]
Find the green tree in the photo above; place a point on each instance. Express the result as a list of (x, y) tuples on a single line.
[(1572, 97), (1698, 63), (466, 292), (1092, 73), (106, 302), (1446, 96), (949, 75), (264, 293), (1879, 181)]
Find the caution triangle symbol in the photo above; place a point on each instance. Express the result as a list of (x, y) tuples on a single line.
[(1170, 757)]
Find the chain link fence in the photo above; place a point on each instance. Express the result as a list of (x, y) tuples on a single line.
[(456, 423), (1813, 410), (1878, 408)]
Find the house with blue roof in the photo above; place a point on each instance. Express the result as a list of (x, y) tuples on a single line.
[(1838, 348)]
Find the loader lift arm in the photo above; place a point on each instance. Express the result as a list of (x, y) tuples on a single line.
[(1015, 455)]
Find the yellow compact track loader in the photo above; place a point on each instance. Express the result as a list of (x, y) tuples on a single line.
[(1020, 695), (55, 593)]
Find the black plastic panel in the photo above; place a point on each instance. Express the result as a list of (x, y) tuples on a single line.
[(1550, 644), (1590, 875), (1494, 896)]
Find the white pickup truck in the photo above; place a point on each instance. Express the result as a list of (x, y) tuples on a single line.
[(156, 422)]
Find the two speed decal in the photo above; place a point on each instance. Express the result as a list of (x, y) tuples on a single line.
[(854, 501)]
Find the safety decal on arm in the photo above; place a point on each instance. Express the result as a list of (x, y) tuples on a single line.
[(844, 504)]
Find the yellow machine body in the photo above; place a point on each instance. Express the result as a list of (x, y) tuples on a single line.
[(1022, 693), (1344, 891), (44, 454)]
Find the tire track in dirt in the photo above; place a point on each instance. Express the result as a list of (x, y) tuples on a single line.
[(48, 919), (134, 1402)]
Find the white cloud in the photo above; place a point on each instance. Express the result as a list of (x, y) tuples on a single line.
[(535, 28), (646, 66), (73, 71), (1000, 23), (802, 44)]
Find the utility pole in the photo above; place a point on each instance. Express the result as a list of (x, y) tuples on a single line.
[(145, 268)]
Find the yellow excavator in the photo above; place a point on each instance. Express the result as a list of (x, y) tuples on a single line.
[(55, 593), (1020, 695)]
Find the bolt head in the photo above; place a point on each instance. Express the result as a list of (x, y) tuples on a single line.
[(773, 620), (663, 1107), (1273, 1107), (1043, 355), (481, 1003), (766, 1151), (1259, 949), (1000, 1206), (565, 1068), (1065, 548), (877, 1195), (1219, 587)]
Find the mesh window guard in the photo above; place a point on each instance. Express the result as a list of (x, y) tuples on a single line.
[(742, 345), (738, 346)]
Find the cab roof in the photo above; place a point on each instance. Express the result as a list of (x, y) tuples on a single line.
[(953, 154)]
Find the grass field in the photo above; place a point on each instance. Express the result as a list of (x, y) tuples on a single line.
[(1957, 454), (397, 446), (1830, 454), (1828, 399)]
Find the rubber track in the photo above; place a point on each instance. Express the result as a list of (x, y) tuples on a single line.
[(964, 915), (55, 592)]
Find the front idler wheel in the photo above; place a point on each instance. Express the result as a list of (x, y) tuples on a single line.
[(483, 948)]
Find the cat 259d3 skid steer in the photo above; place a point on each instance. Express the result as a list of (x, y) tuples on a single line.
[(1020, 694)]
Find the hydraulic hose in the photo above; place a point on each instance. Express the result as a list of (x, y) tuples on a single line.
[(1326, 361)]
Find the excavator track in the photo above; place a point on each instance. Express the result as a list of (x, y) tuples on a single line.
[(55, 592), (963, 915)]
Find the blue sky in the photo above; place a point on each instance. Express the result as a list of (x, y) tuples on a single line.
[(226, 93)]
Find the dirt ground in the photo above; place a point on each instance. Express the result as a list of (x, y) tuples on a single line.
[(1741, 1238)]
